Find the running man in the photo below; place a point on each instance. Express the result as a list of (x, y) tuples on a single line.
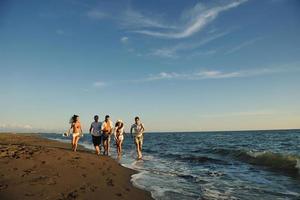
[(137, 130), (107, 129), (95, 130)]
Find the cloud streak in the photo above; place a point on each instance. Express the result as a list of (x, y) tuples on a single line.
[(242, 45), (96, 14), (99, 84), (254, 113), (134, 19), (124, 40), (15, 127), (172, 51), (209, 74), (197, 19)]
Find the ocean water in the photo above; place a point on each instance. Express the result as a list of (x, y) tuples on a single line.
[(242, 165)]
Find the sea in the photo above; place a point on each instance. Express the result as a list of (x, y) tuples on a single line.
[(246, 165)]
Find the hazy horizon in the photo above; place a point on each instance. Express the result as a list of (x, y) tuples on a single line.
[(180, 65)]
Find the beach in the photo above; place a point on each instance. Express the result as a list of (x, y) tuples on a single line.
[(32, 167)]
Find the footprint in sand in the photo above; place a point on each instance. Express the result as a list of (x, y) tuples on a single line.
[(93, 188), (51, 182), (70, 196), (42, 180), (73, 195), (3, 186), (82, 188), (109, 182), (119, 194), (83, 175), (29, 194), (59, 158), (27, 171)]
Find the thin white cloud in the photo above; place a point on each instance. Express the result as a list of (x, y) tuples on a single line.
[(134, 19), (209, 74), (243, 45), (15, 127), (96, 14), (99, 84), (203, 53), (197, 18), (241, 114), (206, 75), (172, 51), (60, 32), (27, 126), (124, 40)]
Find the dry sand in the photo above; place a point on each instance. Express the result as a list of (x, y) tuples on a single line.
[(36, 168)]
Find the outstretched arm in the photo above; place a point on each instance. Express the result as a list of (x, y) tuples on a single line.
[(70, 128), (131, 130), (143, 128), (91, 129)]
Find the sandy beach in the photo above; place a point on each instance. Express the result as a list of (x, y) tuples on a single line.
[(35, 168)]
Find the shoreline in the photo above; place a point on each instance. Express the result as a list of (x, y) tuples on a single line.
[(32, 167)]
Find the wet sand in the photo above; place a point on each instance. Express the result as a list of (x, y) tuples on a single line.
[(36, 168)]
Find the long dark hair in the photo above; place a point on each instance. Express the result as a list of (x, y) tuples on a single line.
[(119, 125), (73, 119)]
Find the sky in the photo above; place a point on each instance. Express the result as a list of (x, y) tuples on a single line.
[(197, 65)]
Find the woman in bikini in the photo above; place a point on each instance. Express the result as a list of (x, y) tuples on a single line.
[(76, 131), (119, 137)]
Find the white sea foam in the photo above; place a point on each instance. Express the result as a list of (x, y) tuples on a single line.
[(298, 165), (60, 140), (167, 177), (214, 194)]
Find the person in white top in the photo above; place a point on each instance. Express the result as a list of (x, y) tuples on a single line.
[(107, 129), (95, 130), (119, 137), (137, 130)]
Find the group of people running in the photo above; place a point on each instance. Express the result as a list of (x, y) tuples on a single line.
[(102, 131)]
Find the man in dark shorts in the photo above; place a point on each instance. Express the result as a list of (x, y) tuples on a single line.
[(95, 130)]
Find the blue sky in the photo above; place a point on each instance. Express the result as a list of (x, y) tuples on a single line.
[(179, 65)]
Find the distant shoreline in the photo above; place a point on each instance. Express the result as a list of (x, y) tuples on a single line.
[(218, 131), (32, 167)]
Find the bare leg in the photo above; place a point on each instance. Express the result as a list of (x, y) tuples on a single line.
[(105, 147), (120, 147), (140, 144), (137, 149), (76, 143), (117, 144), (97, 150), (108, 145), (73, 143)]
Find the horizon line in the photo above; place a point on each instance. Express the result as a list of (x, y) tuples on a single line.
[(202, 131)]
